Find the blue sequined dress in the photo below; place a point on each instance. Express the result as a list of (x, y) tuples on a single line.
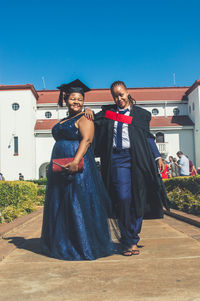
[(75, 221)]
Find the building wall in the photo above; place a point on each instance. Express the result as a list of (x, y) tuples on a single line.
[(176, 140), (166, 109), (21, 124), (194, 114), (44, 146), (35, 150)]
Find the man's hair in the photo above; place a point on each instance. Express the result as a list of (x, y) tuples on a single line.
[(179, 153)]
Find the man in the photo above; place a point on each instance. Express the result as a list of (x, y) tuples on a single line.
[(183, 164)]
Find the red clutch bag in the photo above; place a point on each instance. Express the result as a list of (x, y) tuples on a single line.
[(58, 164)]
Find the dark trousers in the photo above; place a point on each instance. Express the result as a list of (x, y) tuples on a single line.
[(130, 225)]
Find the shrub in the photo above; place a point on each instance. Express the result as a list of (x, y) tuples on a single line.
[(19, 198), (42, 181), (184, 193)]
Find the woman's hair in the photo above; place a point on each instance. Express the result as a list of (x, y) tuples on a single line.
[(121, 83)]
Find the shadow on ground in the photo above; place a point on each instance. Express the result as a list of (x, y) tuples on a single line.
[(32, 244)]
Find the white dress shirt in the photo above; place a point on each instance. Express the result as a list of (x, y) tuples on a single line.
[(125, 134)]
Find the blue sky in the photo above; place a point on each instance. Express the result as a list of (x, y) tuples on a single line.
[(140, 42)]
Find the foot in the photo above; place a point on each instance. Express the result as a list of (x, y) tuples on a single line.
[(135, 250), (127, 253)]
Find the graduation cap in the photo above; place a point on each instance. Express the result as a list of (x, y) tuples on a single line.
[(75, 86)]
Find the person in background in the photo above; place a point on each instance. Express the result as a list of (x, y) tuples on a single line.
[(169, 166), (2, 177), (193, 171), (174, 168), (21, 177), (164, 174), (183, 164)]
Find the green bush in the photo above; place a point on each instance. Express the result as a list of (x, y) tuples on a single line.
[(42, 181), (184, 193), (19, 198)]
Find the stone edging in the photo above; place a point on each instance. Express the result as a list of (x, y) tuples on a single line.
[(5, 228), (185, 217)]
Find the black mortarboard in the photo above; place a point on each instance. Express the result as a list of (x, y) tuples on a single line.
[(75, 86)]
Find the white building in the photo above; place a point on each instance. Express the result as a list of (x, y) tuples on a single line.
[(27, 116)]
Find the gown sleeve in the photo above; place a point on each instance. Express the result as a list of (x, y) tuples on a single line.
[(99, 123)]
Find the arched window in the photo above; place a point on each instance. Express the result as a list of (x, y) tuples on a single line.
[(160, 137), (193, 106), (155, 112), (48, 114), (176, 111)]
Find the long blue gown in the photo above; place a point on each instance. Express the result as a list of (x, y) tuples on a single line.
[(75, 221)]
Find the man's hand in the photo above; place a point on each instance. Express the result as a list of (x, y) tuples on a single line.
[(161, 165)]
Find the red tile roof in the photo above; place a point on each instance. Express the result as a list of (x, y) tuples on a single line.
[(20, 87), (104, 95), (160, 121), (45, 124), (170, 121)]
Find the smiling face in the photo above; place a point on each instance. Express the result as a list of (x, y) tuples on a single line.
[(75, 103), (120, 96)]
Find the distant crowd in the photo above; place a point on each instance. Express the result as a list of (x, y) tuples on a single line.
[(182, 166), (21, 177)]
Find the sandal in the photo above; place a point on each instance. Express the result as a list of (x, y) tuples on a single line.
[(135, 252), (127, 253)]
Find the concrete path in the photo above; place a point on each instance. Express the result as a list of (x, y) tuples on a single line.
[(168, 268)]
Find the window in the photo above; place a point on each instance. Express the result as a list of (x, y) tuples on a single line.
[(48, 114), (155, 112), (176, 111), (160, 138), (16, 146), (15, 106), (193, 107), (190, 109)]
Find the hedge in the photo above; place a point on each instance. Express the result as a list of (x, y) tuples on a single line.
[(184, 193), (19, 198), (41, 181)]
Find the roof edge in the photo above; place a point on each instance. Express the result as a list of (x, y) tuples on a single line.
[(20, 87), (193, 87)]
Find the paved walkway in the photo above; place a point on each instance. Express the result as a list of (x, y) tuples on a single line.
[(167, 269)]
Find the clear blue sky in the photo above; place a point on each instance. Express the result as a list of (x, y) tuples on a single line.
[(139, 42)]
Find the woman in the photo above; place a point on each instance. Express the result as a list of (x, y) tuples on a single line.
[(75, 222), (128, 153), (193, 171), (164, 174), (174, 168)]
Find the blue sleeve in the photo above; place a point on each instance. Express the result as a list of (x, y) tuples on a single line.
[(154, 148)]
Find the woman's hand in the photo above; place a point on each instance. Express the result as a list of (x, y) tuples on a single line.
[(72, 167), (89, 114), (161, 165)]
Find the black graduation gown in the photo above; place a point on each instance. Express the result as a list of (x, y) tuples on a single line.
[(148, 190)]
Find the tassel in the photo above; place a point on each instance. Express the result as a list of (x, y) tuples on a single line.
[(60, 100)]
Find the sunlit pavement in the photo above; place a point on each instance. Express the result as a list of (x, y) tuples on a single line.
[(168, 267)]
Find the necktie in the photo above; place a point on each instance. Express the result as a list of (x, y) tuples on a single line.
[(118, 139)]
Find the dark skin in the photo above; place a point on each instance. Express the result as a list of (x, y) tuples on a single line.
[(120, 96), (75, 104)]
